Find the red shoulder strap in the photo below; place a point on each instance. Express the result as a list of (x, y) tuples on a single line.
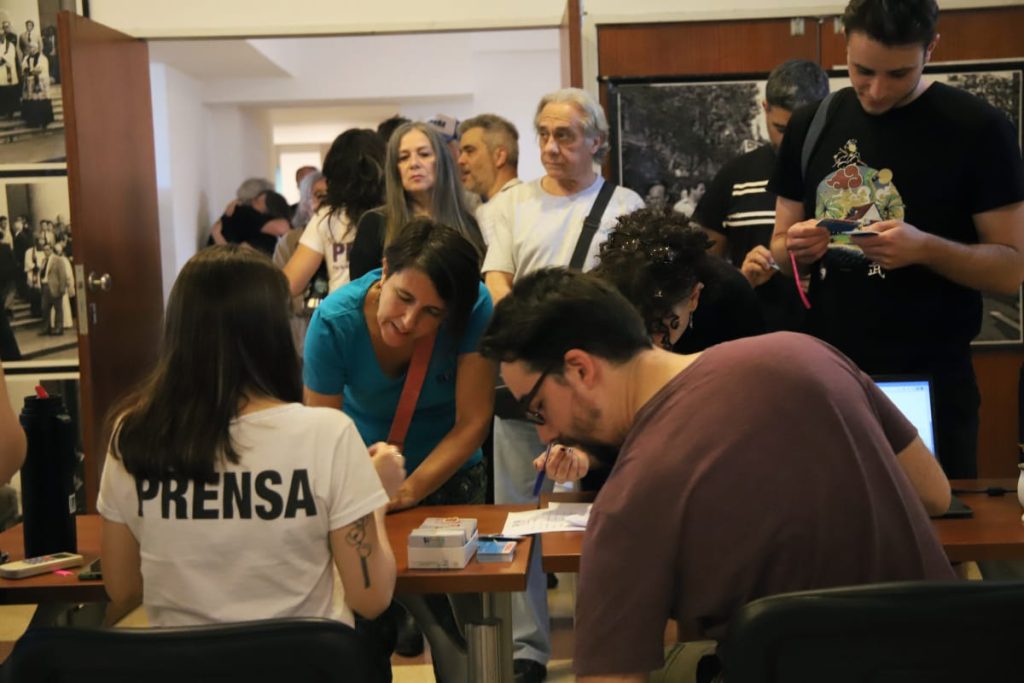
[(411, 390)]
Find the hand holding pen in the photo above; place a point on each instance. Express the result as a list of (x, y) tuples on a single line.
[(543, 459), (759, 266), (561, 464)]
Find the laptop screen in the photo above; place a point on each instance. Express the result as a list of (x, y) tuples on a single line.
[(914, 399)]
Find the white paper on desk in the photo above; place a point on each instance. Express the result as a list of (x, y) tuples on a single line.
[(558, 517)]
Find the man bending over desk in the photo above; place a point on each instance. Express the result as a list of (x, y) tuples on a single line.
[(759, 466)]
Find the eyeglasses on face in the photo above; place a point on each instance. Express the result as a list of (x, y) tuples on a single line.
[(533, 416)]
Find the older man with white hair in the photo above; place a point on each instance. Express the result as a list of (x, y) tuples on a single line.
[(560, 219)]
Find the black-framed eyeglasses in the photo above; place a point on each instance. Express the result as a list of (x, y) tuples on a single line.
[(533, 416)]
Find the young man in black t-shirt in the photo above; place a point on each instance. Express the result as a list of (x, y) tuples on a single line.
[(936, 175), (738, 211)]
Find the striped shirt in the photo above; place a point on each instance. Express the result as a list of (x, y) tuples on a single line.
[(739, 205)]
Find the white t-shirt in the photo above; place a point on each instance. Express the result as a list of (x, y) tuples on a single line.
[(531, 229), (485, 208), (331, 235), (253, 545)]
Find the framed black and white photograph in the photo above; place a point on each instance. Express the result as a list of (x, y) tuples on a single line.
[(1001, 84), (37, 278), (671, 138), (31, 108)]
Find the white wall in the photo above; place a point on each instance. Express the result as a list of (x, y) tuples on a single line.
[(180, 136), (195, 18), (212, 134), (239, 146), (202, 154)]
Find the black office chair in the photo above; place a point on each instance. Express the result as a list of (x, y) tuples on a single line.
[(912, 632), (279, 650)]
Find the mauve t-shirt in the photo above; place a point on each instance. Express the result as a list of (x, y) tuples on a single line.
[(768, 465)]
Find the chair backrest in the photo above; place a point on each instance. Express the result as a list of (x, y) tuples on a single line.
[(314, 650), (908, 632)]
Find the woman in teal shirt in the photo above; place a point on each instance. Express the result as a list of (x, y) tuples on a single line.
[(360, 342)]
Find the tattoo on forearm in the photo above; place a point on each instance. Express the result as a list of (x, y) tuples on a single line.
[(357, 538)]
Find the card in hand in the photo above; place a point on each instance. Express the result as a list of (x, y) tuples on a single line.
[(838, 226)]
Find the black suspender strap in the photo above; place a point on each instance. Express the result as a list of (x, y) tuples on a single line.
[(590, 226)]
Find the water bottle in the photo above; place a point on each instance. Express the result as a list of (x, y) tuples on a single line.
[(47, 477)]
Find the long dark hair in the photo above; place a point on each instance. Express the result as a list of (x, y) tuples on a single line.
[(354, 169), (447, 258), (226, 337)]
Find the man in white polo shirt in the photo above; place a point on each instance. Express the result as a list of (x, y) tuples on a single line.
[(531, 226)]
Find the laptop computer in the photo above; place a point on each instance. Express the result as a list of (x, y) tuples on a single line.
[(913, 396)]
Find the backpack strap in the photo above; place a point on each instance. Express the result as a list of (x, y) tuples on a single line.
[(814, 133)]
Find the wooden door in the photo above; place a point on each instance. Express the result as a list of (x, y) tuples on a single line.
[(570, 37), (112, 186)]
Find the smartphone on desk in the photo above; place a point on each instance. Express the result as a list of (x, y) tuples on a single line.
[(92, 572), (957, 510)]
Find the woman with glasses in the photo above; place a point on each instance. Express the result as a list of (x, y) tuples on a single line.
[(422, 181)]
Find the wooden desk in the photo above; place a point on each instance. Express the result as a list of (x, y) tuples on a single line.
[(496, 581), (52, 587), (488, 577), (996, 531)]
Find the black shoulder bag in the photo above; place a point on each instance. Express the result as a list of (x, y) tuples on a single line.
[(505, 404)]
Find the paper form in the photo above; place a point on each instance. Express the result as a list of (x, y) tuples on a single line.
[(557, 517)]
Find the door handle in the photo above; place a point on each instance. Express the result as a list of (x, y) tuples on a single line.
[(99, 282)]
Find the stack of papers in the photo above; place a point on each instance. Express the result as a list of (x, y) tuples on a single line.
[(556, 517)]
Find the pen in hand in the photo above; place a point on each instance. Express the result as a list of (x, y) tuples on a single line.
[(540, 475)]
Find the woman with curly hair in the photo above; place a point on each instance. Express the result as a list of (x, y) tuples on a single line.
[(659, 261)]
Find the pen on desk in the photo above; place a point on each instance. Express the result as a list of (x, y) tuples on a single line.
[(543, 470)]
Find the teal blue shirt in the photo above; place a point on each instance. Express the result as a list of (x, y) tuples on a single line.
[(339, 359)]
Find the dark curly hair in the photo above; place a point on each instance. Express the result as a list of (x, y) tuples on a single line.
[(653, 258), (354, 169)]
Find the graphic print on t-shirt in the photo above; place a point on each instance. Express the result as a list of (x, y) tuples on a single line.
[(857, 192)]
